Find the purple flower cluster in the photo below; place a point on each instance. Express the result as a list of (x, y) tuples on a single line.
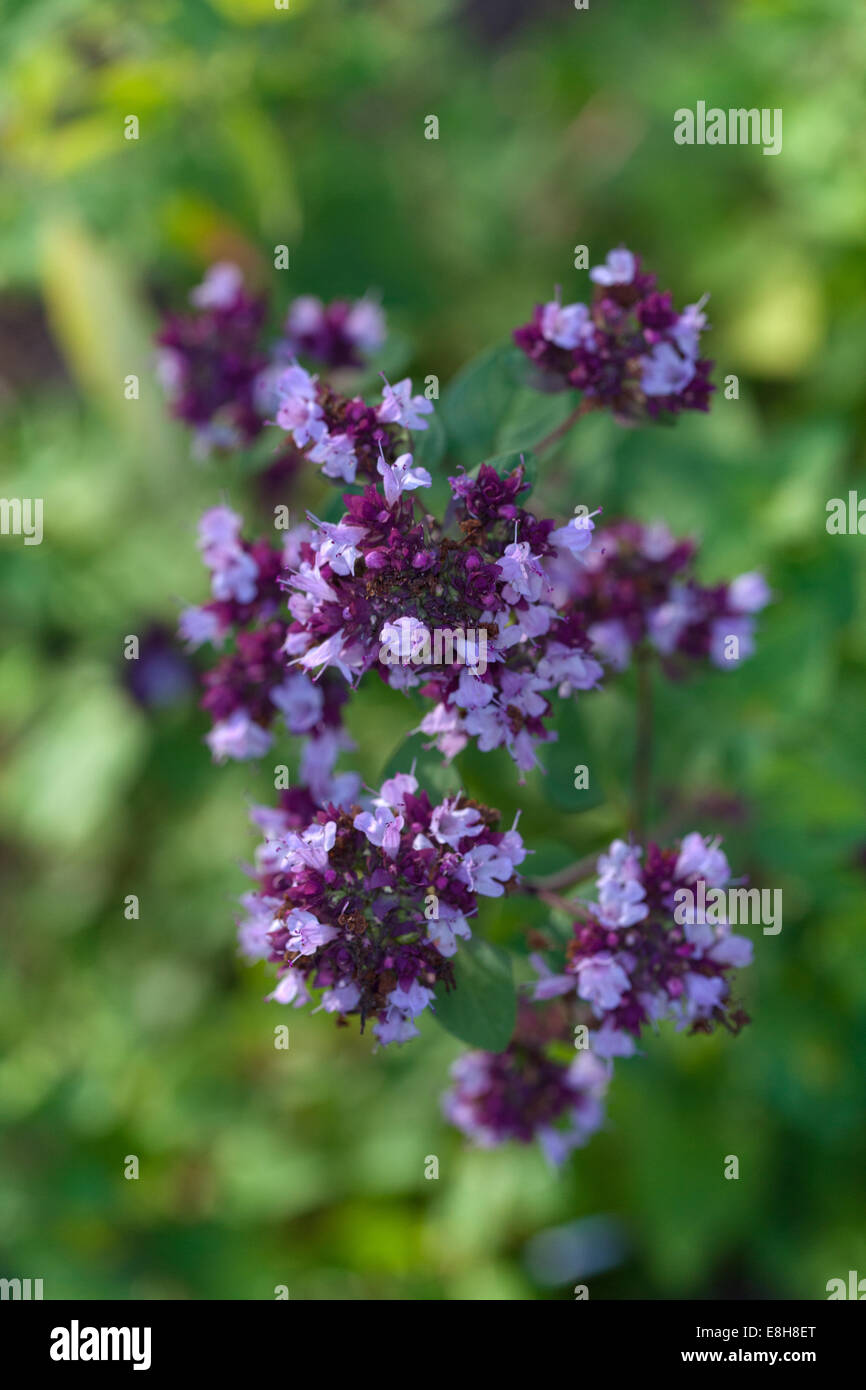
[(210, 361), (528, 1093), (471, 623), (360, 902), (525, 1094), (636, 585), (343, 436), (340, 334), (628, 350), (633, 963), (367, 904), (219, 376), (250, 686)]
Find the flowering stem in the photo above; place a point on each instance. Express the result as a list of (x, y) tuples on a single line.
[(554, 900), (555, 435), (563, 878), (643, 744)]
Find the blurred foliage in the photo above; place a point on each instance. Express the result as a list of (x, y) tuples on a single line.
[(306, 1167)]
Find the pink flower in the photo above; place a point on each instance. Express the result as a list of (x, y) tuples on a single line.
[(566, 325), (307, 933), (400, 407), (548, 985), (394, 791), (341, 999), (412, 1001), (199, 625), (339, 549), (611, 640), (665, 372), (748, 593), (299, 701), (448, 825), (401, 476), (382, 828), (395, 1027), (290, 989), (444, 929), (618, 269), (327, 653), (702, 858), (609, 1041), (365, 325), (732, 950), (220, 287), (575, 536), (237, 737), (601, 981), (522, 572), (299, 412), (337, 455), (311, 848), (732, 640), (689, 326), (486, 870)]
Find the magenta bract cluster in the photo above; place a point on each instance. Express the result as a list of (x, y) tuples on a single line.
[(471, 622), (252, 687), (367, 905), (340, 334), (629, 350), (525, 1094), (344, 436), (642, 953), (637, 585), (218, 371), (654, 945)]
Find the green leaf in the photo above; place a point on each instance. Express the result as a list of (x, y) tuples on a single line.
[(429, 444), (573, 748), (531, 416), (434, 776), (482, 1010), (476, 402), (489, 410)]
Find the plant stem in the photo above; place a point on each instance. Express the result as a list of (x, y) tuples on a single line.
[(555, 435), (554, 900), (563, 878), (643, 745)]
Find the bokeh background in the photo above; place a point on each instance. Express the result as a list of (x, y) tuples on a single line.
[(305, 1168)]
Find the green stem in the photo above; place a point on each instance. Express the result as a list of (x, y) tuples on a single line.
[(555, 435), (643, 745), (563, 878)]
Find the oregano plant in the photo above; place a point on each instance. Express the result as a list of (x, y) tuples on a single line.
[(493, 620)]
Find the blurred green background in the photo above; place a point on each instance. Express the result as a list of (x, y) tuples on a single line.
[(305, 1167)]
